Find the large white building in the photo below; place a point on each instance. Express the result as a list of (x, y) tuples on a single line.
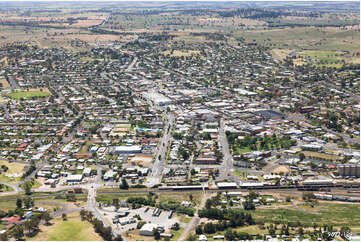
[(147, 229), (131, 149), (156, 98)]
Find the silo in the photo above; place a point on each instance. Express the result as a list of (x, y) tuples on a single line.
[(358, 171), (341, 170), (347, 170)]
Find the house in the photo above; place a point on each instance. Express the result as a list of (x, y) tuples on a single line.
[(87, 171), (202, 237), (28, 214), (109, 175)]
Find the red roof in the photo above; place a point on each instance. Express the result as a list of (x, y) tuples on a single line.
[(11, 220)]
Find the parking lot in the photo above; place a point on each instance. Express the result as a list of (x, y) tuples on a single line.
[(162, 219)]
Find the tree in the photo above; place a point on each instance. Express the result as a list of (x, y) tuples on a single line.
[(302, 156), (19, 203), (27, 187), (229, 235), (249, 205), (345, 233), (18, 232), (4, 237), (156, 234), (209, 203), (28, 202), (209, 228), (46, 216), (124, 184), (83, 214), (199, 229), (175, 226)]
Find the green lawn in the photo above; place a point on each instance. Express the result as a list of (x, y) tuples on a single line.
[(71, 230), (5, 188), (28, 94), (177, 233), (241, 173)]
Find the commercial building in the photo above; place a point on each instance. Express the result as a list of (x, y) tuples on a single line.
[(132, 149), (147, 229), (157, 98), (74, 178)]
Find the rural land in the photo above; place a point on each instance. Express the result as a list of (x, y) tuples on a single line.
[(179, 121)]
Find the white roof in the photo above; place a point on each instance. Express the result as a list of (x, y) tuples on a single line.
[(226, 184), (75, 177), (128, 148), (148, 227)]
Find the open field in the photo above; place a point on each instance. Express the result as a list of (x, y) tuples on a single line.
[(13, 174), (5, 188), (322, 155), (335, 214), (4, 82), (134, 235), (179, 197), (71, 230), (29, 94), (176, 234)]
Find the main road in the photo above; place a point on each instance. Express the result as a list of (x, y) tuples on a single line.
[(155, 176)]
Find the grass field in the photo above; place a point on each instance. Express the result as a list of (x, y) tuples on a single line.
[(322, 155), (335, 214), (4, 82), (177, 234), (179, 197), (5, 188), (28, 94), (14, 168), (305, 38), (71, 230), (241, 173), (134, 235)]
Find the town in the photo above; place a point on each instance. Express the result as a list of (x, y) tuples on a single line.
[(155, 137)]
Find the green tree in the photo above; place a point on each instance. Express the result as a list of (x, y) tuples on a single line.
[(18, 232), (124, 184), (27, 187), (19, 203), (156, 234)]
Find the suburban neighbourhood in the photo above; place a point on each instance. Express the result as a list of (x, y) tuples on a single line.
[(158, 136)]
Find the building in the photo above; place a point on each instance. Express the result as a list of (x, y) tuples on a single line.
[(74, 178), (311, 147), (349, 170), (132, 149), (227, 185), (157, 98), (87, 171), (147, 229)]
